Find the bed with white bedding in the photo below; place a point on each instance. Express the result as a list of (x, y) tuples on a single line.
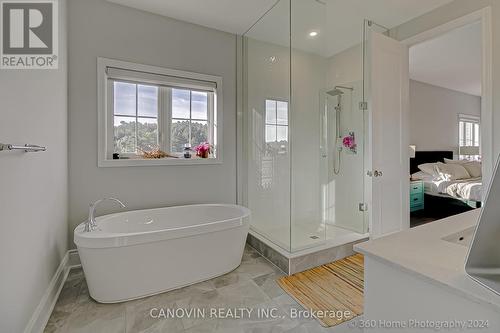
[(466, 188)]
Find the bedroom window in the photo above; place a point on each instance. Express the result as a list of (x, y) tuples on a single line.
[(469, 137), (143, 109)]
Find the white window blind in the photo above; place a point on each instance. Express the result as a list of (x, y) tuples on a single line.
[(160, 79)]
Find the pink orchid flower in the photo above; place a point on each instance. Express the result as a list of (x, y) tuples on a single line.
[(348, 142), (203, 149)]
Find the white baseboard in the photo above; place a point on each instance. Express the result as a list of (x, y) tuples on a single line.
[(44, 309), (74, 259)]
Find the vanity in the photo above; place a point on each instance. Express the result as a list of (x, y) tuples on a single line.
[(415, 281)]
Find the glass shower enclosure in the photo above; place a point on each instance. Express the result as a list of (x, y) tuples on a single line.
[(303, 128)]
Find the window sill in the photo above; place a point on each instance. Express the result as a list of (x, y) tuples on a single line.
[(138, 162)]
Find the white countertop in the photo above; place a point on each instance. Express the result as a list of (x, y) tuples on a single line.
[(422, 252)]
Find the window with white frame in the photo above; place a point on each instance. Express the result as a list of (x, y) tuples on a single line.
[(469, 137), (192, 112), (276, 121), (276, 138), (156, 109), (135, 117)]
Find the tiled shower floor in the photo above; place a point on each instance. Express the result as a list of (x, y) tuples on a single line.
[(252, 285)]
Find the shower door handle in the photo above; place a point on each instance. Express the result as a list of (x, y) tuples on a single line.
[(375, 173)]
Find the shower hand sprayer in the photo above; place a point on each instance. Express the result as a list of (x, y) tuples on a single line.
[(337, 91)]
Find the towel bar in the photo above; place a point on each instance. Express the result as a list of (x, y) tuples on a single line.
[(28, 148)]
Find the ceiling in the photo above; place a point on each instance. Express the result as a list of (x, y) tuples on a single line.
[(233, 16), (338, 22), (452, 60)]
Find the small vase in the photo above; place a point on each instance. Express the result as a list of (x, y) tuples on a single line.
[(203, 154)]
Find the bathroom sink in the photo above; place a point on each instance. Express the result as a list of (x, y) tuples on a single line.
[(463, 237)]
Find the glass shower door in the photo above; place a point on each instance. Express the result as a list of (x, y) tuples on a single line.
[(304, 133), (266, 119), (309, 61), (343, 147), (327, 128)]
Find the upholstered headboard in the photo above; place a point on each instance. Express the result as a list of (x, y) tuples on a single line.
[(434, 156)]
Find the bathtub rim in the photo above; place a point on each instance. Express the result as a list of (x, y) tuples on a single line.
[(101, 240)]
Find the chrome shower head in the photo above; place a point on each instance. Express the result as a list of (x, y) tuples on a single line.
[(335, 92)]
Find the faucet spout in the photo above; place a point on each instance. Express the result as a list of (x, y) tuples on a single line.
[(91, 224)]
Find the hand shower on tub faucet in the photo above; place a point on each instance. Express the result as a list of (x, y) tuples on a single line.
[(91, 224)]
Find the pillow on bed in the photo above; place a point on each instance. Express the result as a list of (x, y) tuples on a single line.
[(422, 176), (452, 171), (429, 168), (473, 168), (448, 161)]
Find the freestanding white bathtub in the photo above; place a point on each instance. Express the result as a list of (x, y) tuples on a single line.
[(145, 252)]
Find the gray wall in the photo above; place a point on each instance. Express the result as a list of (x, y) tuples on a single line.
[(102, 29), (33, 189), (434, 115)]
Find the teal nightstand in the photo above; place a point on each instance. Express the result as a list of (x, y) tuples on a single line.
[(416, 195)]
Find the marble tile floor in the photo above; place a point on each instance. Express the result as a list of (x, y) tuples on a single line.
[(251, 286)]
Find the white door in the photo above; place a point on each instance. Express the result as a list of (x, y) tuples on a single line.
[(388, 107)]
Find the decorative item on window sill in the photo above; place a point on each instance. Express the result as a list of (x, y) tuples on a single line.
[(203, 150), (187, 150), (155, 153), (349, 142)]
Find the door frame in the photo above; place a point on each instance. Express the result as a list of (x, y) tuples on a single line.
[(484, 16)]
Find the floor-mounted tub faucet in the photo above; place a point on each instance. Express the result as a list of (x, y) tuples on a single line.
[(91, 225)]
